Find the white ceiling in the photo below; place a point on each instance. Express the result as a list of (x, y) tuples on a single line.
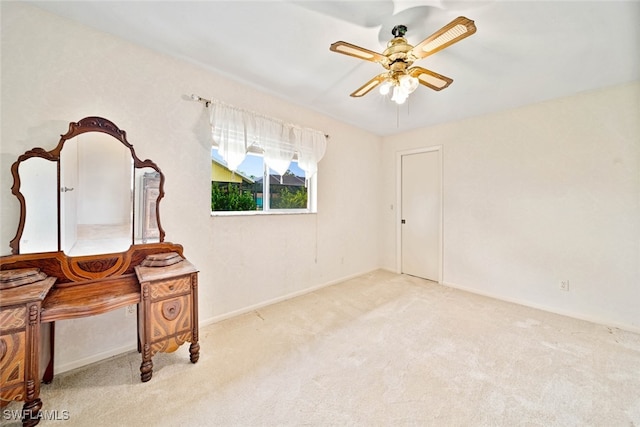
[(523, 51)]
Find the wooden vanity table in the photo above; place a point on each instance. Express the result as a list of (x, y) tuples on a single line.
[(77, 280), (168, 314), (20, 342)]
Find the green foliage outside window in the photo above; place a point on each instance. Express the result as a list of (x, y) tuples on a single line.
[(286, 199), (231, 198)]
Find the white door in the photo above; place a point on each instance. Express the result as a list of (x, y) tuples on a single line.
[(421, 214)]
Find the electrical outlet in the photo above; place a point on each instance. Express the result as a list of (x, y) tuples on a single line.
[(564, 285), (130, 310)]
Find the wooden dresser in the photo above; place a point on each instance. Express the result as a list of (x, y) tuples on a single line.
[(86, 286), (20, 346), (168, 314)]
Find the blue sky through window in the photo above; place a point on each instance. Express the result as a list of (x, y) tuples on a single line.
[(252, 165)]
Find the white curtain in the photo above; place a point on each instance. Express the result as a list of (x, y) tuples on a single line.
[(311, 146), (236, 131), (273, 138), (232, 133)]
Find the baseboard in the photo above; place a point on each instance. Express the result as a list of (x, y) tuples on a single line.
[(568, 313), (78, 363), (248, 309)]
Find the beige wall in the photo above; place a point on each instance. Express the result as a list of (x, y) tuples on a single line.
[(55, 71), (531, 196), (536, 195)]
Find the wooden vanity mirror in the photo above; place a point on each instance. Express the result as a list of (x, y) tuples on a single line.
[(89, 234), (89, 195)]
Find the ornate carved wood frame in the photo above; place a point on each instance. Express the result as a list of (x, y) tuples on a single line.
[(88, 124)]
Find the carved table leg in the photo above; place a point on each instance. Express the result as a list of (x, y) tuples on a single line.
[(146, 371), (194, 352), (31, 413), (146, 368), (47, 378)]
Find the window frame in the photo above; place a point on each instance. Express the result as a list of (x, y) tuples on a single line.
[(312, 186)]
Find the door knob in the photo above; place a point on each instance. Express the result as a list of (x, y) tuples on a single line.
[(65, 189)]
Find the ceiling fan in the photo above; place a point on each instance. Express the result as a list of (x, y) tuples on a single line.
[(399, 57)]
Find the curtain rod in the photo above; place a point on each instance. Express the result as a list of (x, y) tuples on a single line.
[(208, 102)]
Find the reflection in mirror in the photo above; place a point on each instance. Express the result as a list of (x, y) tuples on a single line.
[(38, 185), (147, 190), (96, 199)]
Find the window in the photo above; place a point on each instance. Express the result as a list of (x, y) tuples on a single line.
[(261, 164), (248, 190)]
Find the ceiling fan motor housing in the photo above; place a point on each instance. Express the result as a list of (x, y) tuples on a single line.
[(398, 52)]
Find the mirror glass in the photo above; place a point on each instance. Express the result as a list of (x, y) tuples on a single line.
[(96, 195), (89, 195), (38, 185), (147, 190)]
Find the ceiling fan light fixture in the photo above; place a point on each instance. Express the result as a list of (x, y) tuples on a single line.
[(400, 95), (402, 76), (408, 83), (385, 87)]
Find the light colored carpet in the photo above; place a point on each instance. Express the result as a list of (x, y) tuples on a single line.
[(379, 350)]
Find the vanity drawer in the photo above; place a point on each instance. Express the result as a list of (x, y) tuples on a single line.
[(12, 358), (168, 311), (170, 316), (13, 318), (170, 287)]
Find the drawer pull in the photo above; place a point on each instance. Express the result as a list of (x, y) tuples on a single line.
[(171, 309), (170, 287)]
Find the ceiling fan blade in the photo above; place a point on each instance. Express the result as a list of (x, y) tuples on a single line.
[(451, 33), (430, 79), (357, 52), (371, 84)]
